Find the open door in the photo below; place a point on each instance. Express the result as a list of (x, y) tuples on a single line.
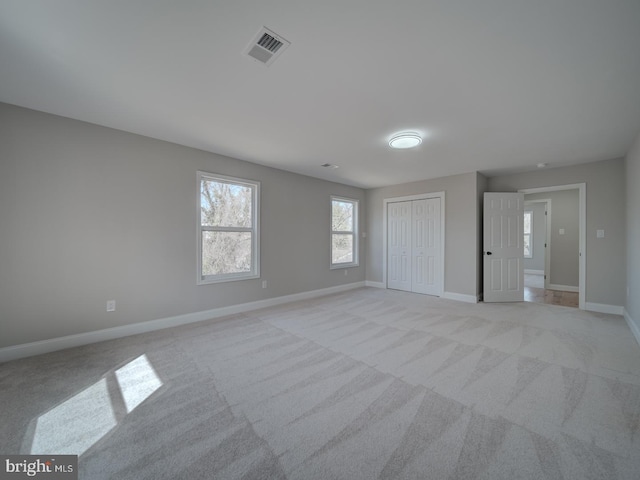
[(503, 247)]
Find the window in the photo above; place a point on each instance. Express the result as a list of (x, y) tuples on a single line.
[(228, 222), (528, 234), (344, 232)]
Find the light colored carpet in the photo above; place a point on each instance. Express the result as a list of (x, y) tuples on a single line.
[(362, 385)]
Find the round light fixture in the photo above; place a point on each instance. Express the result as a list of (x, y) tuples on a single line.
[(405, 140)]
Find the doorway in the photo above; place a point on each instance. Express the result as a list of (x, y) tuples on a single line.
[(555, 270), (537, 230), (414, 243), (537, 244)]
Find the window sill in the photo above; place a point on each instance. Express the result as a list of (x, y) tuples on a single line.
[(339, 266), (225, 279)]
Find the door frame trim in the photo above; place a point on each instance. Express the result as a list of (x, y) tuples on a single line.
[(419, 196), (582, 226)]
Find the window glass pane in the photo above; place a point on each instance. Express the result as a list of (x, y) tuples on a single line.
[(527, 222), (342, 216), (226, 252), (527, 246), (225, 204), (342, 248)]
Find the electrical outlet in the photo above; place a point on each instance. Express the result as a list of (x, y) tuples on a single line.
[(111, 305), (345, 272), (264, 284)]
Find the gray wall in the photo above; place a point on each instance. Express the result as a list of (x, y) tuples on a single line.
[(461, 228), (564, 249), (605, 260), (89, 214), (632, 174), (536, 262)]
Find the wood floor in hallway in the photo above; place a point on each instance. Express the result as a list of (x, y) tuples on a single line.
[(534, 291), (551, 297)]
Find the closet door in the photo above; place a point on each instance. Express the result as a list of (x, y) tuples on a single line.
[(426, 262), (419, 266), (399, 252)]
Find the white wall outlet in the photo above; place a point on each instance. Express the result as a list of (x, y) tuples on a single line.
[(111, 305), (562, 231), (264, 284), (599, 233), (345, 272)]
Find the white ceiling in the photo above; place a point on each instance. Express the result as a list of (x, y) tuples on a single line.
[(494, 85)]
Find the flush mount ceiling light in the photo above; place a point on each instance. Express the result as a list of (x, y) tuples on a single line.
[(405, 140), (542, 165)]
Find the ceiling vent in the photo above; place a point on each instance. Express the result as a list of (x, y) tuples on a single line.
[(266, 46)]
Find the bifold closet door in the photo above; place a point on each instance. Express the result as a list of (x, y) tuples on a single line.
[(399, 246), (413, 246), (425, 261)]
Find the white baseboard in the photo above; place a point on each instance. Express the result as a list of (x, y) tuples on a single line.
[(604, 308), (51, 345), (460, 297), (533, 272), (447, 295), (563, 288), (635, 329)]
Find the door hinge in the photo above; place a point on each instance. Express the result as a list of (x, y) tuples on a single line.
[(545, 245)]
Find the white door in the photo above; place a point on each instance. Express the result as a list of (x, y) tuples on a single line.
[(503, 247), (425, 262), (399, 246), (414, 260)]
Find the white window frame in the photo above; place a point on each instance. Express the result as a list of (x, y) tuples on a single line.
[(354, 233), (254, 229), (530, 234)]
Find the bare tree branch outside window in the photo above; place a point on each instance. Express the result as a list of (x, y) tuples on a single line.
[(227, 227), (343, 231)]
